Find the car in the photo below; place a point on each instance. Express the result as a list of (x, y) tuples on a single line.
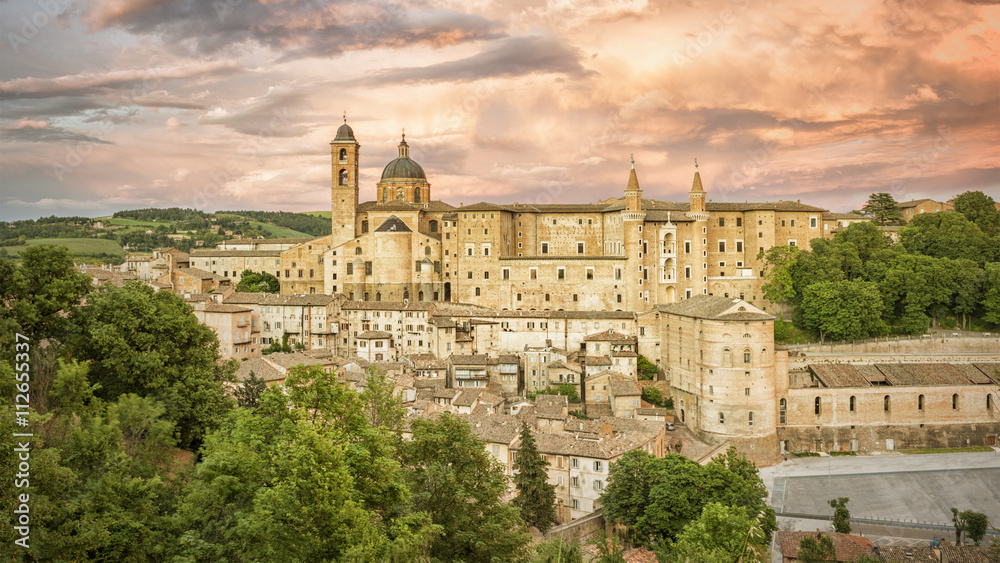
[(670, 426)]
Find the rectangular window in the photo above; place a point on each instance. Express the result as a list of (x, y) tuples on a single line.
[(532, 273), (590, 273), (579, 248), (739, 221), (812, 222), (793, 242), (722, 221), (350, 269), (722, 246), (598, 466), (739, 246), (793, 222), (687, 272), (505, 273), (574, 463), (560, 273), (598, 485), (687, 247), (545, 248), (618, 273), (486, 275)]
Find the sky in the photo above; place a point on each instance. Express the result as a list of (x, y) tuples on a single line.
[(231, 104)]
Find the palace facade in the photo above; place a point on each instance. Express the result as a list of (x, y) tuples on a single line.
[(626, 253)]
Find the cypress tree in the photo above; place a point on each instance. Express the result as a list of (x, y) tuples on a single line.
[(536, 497)]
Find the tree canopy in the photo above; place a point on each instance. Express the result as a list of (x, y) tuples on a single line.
[(658, 497), (147, 342), (253, 282), (882, 207)]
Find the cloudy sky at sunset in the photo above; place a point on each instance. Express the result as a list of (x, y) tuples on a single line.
[(231, 104)]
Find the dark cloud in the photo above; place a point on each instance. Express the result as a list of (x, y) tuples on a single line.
[(130, 83), (276, 114), (296, 28), (515, 56), (48, 134)]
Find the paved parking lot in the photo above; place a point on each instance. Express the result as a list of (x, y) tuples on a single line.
[(901, 488)]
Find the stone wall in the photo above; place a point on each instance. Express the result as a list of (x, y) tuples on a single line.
[(925, 345), (873, 438)]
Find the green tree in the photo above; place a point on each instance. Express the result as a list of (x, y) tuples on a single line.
[(779, 263), (609, 548), (812, 550), (976, 525), (981, 210), (991, 297), (253, 282), (948, 235), (148, 343), (557, 550), (461, 485), (882, 207), (657, 497), (249, 392), (653, 396), (843, 310), (969, 293), (100, 484), (720, 534), (958, 520), (647, 369), (385, 408), (841, 515), (536, 497), (40, 296), (274, 487)]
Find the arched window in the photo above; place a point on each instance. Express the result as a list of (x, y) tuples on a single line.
[(885, 403), (406, 294), (343, 176), (416, 195), (420, 296), (853, 403), (817, 405), (727, 358), (920, 403), (746, 356), (357, 250), (763, 355), (364, 226), (434, 226), (343, 155), (385, 195), (954, 402), (427, 251), (378, 296), (782, 407), (399, 194), (722, 418)]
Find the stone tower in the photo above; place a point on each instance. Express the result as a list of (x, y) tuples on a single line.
[(344, 149), (699, 236), (636, 287)]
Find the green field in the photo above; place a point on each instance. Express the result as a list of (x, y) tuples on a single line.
[(318, 213), (278, 232), (75, 245)]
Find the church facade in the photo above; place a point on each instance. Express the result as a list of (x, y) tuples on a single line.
[(626, 253)]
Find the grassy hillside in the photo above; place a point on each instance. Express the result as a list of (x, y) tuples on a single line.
[(75, 245), (325, 214)]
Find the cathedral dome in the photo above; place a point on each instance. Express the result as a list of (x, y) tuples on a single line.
[(403, 166)]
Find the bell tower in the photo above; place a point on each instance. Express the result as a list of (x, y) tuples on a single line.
[(344, 149)]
